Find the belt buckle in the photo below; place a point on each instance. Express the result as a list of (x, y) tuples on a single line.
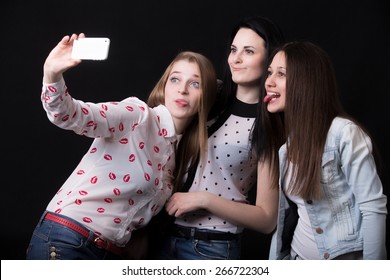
[(100, 242)]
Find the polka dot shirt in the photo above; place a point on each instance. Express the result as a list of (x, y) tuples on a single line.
[(230, 169)]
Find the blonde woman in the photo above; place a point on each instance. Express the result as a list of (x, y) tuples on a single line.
[(126, 176)]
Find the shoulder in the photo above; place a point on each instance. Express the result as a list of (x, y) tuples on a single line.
[(345, 131), (135, 104), (339, 123), (342, 125), (135, 101)]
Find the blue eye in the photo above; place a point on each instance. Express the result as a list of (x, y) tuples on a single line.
[(174, 80), (195, 84)]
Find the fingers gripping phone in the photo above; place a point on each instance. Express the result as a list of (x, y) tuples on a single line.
[(91, 48)]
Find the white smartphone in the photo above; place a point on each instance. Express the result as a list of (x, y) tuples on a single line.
[(91, 48)]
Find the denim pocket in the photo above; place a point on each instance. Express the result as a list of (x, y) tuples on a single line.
[(217, 250)]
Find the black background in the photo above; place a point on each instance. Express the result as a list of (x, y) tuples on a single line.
[(37, 157)]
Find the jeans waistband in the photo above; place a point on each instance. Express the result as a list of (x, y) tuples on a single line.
[(195, 233), (97, 240)]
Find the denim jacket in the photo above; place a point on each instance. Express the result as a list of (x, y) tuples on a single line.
[(351, 216)]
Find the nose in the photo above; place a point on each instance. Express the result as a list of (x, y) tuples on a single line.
[(183, 88), (236, 57), (269, 81)]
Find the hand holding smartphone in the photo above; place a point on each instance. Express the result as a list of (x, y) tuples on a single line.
[(91, 48)]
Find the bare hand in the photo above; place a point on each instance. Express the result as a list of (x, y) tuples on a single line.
[(182, 203), (60, 60)]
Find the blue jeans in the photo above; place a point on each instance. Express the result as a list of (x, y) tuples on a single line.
[(181, 248), (52, 241)]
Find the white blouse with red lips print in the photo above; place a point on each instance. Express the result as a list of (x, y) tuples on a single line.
[(125, 177)]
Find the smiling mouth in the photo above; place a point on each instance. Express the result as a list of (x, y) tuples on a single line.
[(235, 67)]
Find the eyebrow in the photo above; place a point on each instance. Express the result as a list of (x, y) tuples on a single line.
[(178, 72), (278, 67), (245, 47)]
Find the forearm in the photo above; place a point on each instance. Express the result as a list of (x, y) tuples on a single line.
[(374, 236), (51, 77), (256, 217), (260, 217)]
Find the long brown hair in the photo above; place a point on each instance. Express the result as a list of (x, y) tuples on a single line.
[(312, 102), (193, 144)]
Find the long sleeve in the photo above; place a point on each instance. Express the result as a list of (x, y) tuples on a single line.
[(359, 167)]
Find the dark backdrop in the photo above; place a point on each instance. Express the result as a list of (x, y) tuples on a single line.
[(145, 35)]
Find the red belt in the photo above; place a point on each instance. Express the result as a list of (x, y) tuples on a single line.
[(98, 241)]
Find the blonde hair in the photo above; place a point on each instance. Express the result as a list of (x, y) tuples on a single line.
[(193, 144)]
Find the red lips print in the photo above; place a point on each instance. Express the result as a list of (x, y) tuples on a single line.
[(85, 111), (117, 191), (93, 180), (107, 157), (52, 89), (124, 141), (126, 178), (87, 220), (112, 176), (132, 158)]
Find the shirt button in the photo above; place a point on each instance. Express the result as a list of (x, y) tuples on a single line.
[(319, 230), (326, 256)]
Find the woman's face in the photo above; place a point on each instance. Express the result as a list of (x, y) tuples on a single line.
[(247, 57), (183, 91), (275, 84)]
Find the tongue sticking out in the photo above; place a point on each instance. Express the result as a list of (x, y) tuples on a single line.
[(268, 97)]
